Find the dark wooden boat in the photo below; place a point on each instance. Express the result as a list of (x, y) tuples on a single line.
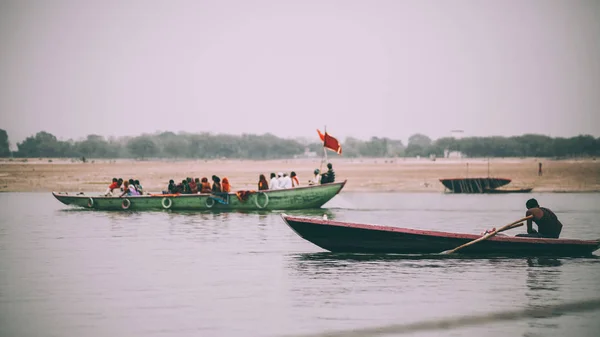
[(473, 185), (344, 237), (507, 190)]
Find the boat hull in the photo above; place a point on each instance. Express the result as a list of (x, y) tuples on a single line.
[(286, 199), (513, 190), (473, 185), (342, 237)]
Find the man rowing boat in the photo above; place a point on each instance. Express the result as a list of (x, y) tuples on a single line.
[(548, 224)]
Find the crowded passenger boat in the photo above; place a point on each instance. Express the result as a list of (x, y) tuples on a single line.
[(281, 180)]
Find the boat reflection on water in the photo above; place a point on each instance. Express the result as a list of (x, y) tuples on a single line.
[(544, 262), (543, 288), (327, 257)]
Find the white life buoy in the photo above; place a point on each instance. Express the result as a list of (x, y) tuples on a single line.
[(266, 200), (166, 203), (125, 204), (90, 202), (210, 202)]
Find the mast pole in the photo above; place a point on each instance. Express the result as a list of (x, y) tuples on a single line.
[(325, 149), (324, 156)]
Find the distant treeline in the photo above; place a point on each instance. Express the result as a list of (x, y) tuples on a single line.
[(268, 146)]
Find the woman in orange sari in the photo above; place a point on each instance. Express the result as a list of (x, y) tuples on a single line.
[(295, 182), (225, 187)]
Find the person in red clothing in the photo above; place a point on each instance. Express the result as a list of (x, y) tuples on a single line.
[(194, 185), (225, 187), (114, 185), (295, 182)]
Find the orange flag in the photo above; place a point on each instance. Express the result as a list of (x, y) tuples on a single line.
[(322, 136), (330, 142)]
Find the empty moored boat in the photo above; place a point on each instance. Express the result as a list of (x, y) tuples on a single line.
[(473, 185), (508, 190)]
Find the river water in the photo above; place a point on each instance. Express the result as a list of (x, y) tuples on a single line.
[(69, 272)]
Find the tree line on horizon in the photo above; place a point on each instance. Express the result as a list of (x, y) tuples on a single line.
[(267, 146)]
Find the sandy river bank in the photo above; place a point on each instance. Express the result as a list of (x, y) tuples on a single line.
[(406, 175)]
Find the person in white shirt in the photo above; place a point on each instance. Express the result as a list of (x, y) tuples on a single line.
[(274, 183), (280, 180), (316, 180), (286, 181)]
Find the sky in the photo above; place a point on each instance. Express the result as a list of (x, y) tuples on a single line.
[(384, 68)]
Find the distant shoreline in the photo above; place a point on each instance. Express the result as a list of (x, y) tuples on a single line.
[(363, 174)]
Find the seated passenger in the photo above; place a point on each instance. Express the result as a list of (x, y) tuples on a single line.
[(180, 188), (280, 180), (274, 182), (172, 188), (286, 182), (295, 181), (216, 187), (128, 190), (316, 180), (330, 173), (138, 187), (262, 183), (329, 176), (131, 186), (194, 185), (205, 187), (113, 186), (225, 187), (186, 187)]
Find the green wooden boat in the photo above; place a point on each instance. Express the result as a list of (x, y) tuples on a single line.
[(286, 199)]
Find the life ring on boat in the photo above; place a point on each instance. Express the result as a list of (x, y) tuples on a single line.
[(166, 203), (210, 202), (125, 204), (266, 200), (90, 203)]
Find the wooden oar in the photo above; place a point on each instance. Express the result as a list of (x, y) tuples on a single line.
[(511, 227), (489, 235)]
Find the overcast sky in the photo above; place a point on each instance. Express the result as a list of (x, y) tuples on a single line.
[(363, 68)]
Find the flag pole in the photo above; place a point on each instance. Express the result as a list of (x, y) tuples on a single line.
[(324, 157), (325, 149)]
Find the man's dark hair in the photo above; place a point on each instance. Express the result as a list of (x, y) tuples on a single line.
[(272, 175), (532, 203), (329, 166)]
